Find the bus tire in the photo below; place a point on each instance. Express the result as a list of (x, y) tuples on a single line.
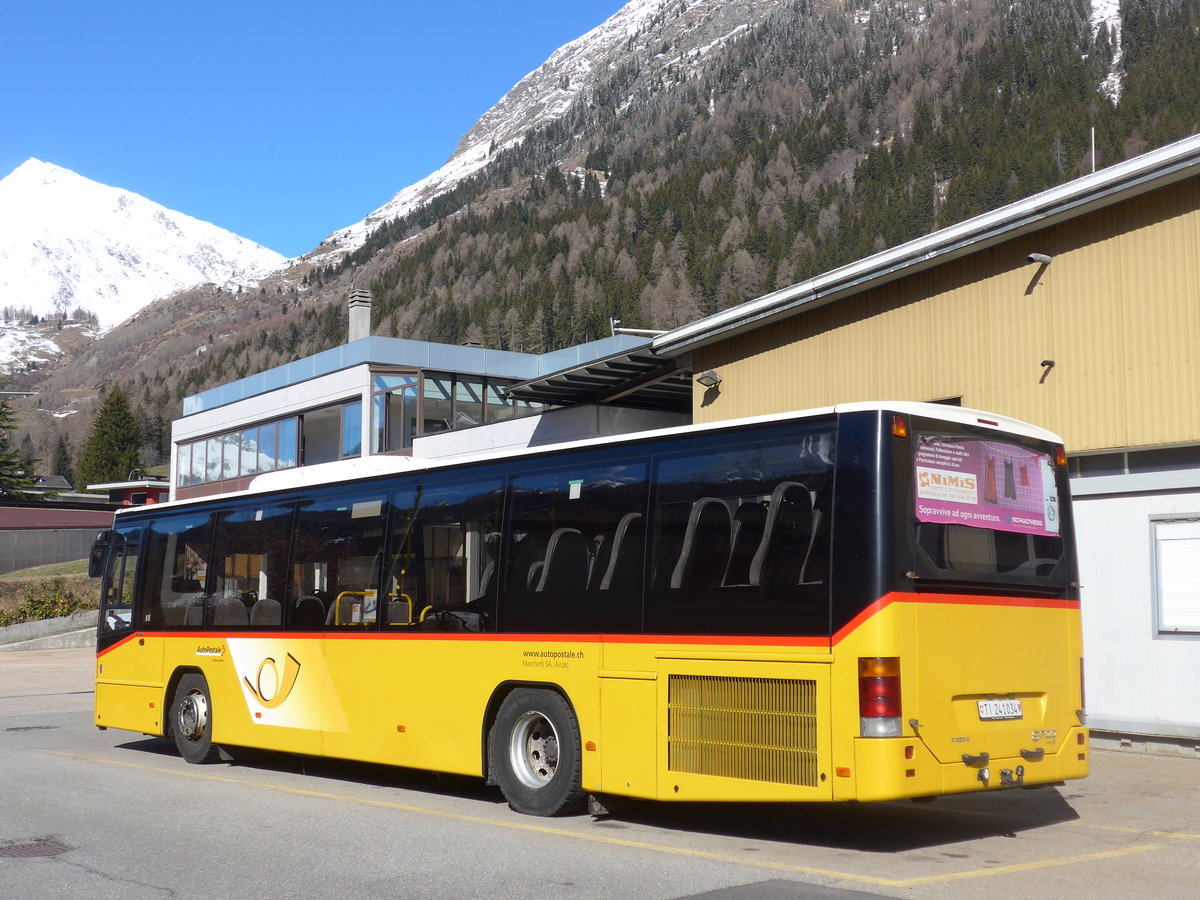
[(191, 720), (535, 753)]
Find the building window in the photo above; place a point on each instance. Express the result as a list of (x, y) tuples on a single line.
[(438, 409), (244, 453), (249, 455), (1177, 575), (468, 402), (267, 435), (393, 411), (352, 429), (199, 469), (1136, 462), (403, 405), (332, 433), (499, 406), (452, 402), (183, 469), (287, 454)]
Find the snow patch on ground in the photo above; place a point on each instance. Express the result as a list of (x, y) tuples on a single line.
[(1107, 14), (22, 349)]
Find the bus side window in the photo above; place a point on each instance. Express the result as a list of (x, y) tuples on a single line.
[(739, 534), (335, 563), (443, 558), (176, 570), (572, 533), (251, 548)]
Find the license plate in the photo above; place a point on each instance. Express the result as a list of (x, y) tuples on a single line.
[(1000, 709)]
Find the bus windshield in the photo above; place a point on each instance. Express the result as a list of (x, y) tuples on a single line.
[(986, 508)]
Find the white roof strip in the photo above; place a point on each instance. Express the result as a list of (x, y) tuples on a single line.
[(1139, 175)]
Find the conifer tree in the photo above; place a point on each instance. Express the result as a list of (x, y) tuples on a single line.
[(111, 450), (60, 461), (16, 475)]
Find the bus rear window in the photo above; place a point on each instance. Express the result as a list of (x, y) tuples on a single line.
[(986, 508)]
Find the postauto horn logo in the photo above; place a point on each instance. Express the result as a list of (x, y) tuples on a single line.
[(271, 687)]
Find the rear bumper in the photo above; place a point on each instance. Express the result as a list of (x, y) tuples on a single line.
[(883, 769)]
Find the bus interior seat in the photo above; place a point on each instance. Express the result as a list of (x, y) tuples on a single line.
[(341, 610), (194, 612), (230, 611), (787, 536), (807, 567), (748, 524), (174, 610), (404, 610), (598, 552), (526, 565), (486, 577), (705, 552), (266, 611), (623, 554), (1025, 554), (309, 610), (566, 565), (971, 549), (489, 549)]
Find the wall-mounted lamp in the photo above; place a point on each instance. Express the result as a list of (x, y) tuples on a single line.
[(1043, 258), (709, 379)]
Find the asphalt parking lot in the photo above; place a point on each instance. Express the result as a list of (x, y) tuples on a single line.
[(135, 820)]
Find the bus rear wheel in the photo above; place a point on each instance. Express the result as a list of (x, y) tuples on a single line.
[(535, 753), (191, 720)]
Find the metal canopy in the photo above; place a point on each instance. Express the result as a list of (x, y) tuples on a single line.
[(634, 378)]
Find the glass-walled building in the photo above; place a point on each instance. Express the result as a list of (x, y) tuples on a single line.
[(371, 396)]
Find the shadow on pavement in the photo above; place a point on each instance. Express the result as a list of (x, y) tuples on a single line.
[(890, 827)]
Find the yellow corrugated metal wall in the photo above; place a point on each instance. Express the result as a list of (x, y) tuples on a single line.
[(1118, 310)]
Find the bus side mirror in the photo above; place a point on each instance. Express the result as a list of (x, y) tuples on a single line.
[(99, 551)]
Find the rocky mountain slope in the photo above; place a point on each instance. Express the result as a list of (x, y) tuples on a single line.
[(678, 35)]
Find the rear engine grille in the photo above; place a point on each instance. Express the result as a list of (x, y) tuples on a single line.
[(759, 729)]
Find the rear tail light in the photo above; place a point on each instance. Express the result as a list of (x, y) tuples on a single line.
[(1060, 455), (899, 426), (879, 696)]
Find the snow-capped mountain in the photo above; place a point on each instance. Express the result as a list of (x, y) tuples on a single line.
[(676, 34), (67, 243)]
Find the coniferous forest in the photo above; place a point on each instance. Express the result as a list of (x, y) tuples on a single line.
[(822, 149)]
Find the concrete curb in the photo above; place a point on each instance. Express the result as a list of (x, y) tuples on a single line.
[(75, 630)]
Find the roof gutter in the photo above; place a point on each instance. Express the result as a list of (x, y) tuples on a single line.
[(1150, 171)]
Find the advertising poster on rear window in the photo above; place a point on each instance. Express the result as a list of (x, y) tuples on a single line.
[(985, 484)]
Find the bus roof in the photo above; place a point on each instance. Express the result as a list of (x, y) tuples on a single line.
[(373, 466)]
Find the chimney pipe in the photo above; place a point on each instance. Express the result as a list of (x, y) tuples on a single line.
[(360, 314)]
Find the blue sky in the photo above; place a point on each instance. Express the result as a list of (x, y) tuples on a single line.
[(279, 121)]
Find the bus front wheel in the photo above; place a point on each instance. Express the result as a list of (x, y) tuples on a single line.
[(191, 720), (535, 753)]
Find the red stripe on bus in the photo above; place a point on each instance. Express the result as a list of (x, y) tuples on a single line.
[(121, 642), (947, 600), (514, 637), (690, 640)]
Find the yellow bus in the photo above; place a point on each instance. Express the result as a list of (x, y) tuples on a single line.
[(864, 602)]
